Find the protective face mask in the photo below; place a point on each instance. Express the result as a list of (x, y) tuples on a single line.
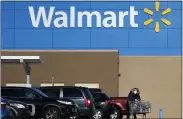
[(135, 92)]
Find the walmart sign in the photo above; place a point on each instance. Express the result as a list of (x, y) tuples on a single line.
[(61, 20), (109, 20), (146, 28)]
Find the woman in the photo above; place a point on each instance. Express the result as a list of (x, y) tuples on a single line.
[(134, 95)]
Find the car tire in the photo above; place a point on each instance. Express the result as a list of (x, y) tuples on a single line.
[(52, 113), (98, 114), (116, 114)]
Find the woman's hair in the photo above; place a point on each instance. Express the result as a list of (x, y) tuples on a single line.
[(137, 89)]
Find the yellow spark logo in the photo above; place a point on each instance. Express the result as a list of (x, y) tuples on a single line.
[(149, 12)]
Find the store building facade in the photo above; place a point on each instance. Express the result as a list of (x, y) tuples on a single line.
[(111, 45)]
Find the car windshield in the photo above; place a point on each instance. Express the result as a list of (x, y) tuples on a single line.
[(40, 92)]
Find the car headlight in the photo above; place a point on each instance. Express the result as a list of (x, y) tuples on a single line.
[(64, 102), (17, 105)]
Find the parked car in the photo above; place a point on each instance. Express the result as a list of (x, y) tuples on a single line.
[(96, 90), (6, 113), (80, 95), (104, 106), (120, 104), (19, 109), (41, 106)]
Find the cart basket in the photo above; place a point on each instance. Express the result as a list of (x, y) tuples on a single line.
[(139, 107)]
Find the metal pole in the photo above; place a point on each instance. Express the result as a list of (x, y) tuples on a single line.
[(53, 80), (27, 72), (28, 79)]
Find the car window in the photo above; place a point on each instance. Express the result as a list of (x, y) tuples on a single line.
[(26, 93), (88, 94), (95, 90), (10, 92), (52, 92), (100, 97), (40, 92), (72, 92)]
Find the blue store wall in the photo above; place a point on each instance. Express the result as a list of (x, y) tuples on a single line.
[(18, 32)]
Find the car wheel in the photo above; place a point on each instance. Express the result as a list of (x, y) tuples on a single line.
[(52, 113), (98, 114), (116, 114)]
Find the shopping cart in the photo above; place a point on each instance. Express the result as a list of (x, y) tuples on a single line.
[(140, 107)]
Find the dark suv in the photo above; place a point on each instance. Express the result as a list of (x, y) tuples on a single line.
[(80, 95), (41, 106)]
